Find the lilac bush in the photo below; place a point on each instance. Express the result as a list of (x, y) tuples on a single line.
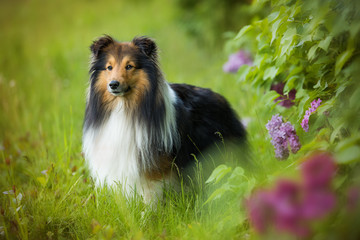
[(283, 135), (236, 60), (305, 122), (293, 206)]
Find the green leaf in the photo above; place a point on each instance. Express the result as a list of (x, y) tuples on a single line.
[(290, 83), (261, 60), (285, 46), (324, 44), (237, 172), (340, 89), (273, 16), (274, 29), (263, 41), (318, 84), (312, 51), (243, 72), (287, 41), (342, 59), (243, 188), (289, 34), (218, 173), (346, 143), (280, 61), (325, 106), (244, 30), (295, 11), (348, 155), (269, 97), (304, 39), (270, 73), (218, 193), (302, 105), (336, 131)]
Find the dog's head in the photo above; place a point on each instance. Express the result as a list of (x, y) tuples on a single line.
[(123, 69)]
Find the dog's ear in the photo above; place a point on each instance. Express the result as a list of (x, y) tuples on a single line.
[(99, 44), (147, 46)]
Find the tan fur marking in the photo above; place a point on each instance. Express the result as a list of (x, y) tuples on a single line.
[(135, 78), (139, 84), (108, 99), (165, 169)]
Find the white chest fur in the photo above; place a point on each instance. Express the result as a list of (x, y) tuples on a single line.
[(111, 152)]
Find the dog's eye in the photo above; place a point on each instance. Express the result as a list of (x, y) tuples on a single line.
[(109, 68), (128, 67)]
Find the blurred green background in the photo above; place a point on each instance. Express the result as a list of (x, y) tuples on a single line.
[(45, 54)]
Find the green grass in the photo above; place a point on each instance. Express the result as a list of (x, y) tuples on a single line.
[(43, 77)]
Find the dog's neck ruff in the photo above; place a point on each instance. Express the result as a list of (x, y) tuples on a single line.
[(122, 148)]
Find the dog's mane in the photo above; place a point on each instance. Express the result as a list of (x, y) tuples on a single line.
[(155, 112)]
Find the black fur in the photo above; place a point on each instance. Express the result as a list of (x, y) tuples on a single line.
[(95, 111), (151, 111), (147, 46), (98, 45), (201, 115)]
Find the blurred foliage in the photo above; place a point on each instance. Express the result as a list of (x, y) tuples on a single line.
[(313, 47), (207, 20)]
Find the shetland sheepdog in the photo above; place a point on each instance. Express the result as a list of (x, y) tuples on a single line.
[(139, 130)]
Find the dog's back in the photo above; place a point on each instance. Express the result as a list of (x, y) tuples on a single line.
[(204, 118)]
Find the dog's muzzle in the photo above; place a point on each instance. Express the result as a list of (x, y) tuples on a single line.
[(118, 89)]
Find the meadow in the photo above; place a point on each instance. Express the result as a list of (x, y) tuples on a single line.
[(45, 188)]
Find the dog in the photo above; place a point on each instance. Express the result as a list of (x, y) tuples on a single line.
[(140, 131)]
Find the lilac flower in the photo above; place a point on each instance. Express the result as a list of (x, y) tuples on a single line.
[(294, 142), (260, 210), (317, 203), (318, 171), (236, 60), (274, 124), (293, 207), (305, 122), (284, 100), (282, 135), (292, 138), (287, 206), (279, 208)]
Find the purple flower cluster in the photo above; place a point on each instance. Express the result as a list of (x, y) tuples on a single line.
[(236, 60), (282, 135), (305, 122), (284, 100), (292, 206)]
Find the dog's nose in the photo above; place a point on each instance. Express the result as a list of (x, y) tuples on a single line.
[(114, 85)]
